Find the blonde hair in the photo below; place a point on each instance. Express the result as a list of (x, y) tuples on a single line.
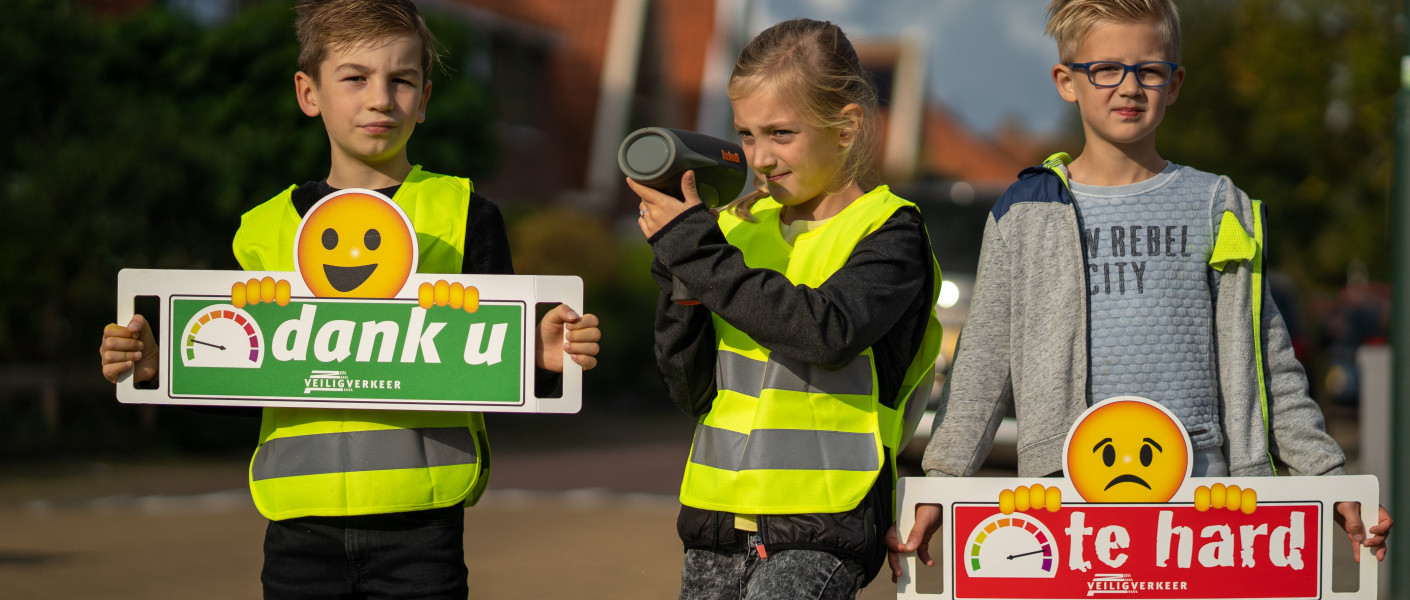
[(335, 25), (812, 64), (1069, 22)]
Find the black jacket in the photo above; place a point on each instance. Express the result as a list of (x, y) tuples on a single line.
[(879, 299)]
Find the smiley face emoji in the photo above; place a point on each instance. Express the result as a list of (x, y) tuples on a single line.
[(355, 244), (1128, 449)]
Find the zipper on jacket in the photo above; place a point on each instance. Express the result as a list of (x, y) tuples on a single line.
[(756, 538), (1086, 286)]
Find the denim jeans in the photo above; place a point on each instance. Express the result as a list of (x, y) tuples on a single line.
[(739, 574), (418, 554)]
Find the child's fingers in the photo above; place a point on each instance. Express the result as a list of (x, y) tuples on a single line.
[(119, 344), (122, 342), (585, 335), (112, 371), (648, 195), (123, 346), (578, 332), (120, 357), (586, 321), (581, 348), (559, 315), (591, 334), (688, 189), (1385, 523), (113, 330), (117, 356), (1379, 531), (587, 361), (893, 540), (1350, 513)]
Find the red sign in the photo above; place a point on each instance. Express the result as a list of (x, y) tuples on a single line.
[(1165, 550)]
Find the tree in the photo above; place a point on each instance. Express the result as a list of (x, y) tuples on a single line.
[(1294, 100), (139, 142)]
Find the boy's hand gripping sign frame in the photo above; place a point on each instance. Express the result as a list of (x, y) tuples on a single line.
[(1128, 521), (355, 326)]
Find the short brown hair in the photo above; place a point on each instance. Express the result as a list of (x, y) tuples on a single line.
[(325, 25), (1069, 22)]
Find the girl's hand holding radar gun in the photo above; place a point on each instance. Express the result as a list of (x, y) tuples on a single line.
[(684, 165)]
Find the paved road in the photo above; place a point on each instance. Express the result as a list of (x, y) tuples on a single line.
[(588, 543), (591, 515), (574, 512)]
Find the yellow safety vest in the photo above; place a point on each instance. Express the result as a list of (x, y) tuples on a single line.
[(787, 437), (1234, 244), (344, 462)]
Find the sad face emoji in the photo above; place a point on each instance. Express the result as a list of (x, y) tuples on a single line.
[(1128, 450), (355, 244)]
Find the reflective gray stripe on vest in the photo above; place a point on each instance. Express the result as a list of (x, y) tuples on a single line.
[(808, 449), (349, 452), (738, 373)]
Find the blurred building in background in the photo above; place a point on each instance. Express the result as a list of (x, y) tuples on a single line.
[(571, 79)]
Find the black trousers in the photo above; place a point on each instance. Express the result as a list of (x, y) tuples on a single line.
[(418, 554)]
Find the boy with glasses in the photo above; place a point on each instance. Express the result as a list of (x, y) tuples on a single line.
[(1120, 273)]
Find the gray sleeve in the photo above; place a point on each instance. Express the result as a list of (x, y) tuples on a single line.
[(980, 385)]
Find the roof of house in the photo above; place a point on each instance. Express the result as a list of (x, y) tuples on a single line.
[(953, 151), (676, 40)]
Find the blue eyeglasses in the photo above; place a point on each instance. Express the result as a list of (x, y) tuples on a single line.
[(1108, 74)]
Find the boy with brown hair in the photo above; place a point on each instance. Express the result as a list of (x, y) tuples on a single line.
[(1120, 273), (370, 503)]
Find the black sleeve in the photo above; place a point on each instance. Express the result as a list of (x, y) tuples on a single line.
[(487, 253), (827, 325), (247, 412), (685, 348), (486, 240), (874, 291)]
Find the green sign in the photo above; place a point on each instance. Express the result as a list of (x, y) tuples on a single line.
[(346, 350)]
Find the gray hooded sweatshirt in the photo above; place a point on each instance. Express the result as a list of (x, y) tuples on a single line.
[(1026, 341)]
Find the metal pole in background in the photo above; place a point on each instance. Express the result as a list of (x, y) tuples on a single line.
[(1399, 562)]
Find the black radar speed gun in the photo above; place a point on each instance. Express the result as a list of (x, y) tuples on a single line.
[(657, 158)]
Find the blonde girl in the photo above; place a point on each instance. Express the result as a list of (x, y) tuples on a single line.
[(814, 328)]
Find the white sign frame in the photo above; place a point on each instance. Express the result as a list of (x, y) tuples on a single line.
[(529, 289), (947, 491)]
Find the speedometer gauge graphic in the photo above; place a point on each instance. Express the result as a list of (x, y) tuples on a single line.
[(221, 335), (1010, 546)]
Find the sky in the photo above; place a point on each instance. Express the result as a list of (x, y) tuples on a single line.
[(988, 59)]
